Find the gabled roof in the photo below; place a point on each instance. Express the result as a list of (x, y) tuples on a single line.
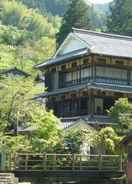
[(14, 71), (106, 44), (94, 43)]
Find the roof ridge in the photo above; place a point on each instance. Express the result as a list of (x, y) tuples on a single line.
[(109, 35)]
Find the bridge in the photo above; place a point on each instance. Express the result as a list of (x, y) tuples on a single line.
[(64, 165)]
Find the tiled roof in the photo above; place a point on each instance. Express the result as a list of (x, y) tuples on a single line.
[(14, 71), (96, 43), (100, 120), (65, 58), (106, 44)]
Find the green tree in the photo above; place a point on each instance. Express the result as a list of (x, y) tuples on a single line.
[(77, 15), (106, 140), (18, 109), (121, 114), (120, 18)]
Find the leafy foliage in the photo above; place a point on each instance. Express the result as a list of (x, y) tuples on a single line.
[(18, 109), (120, 19), (107, 140), (26, 36), (121, 114), (55, 7), (77, 15)]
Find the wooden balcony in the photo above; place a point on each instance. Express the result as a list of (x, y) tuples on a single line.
[(97, 80), (111, 81)]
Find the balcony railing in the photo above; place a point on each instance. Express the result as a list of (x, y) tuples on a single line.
[(111, 80), (97, 80)]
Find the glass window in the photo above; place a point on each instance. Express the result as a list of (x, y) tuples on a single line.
[(108, 72), (85, 72), (68, 77)]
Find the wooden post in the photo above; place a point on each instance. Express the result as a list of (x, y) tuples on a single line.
[(26, 162), (121, 163), (80, 162), (73, 161), (100, 162), (54, 161), (45, 162)]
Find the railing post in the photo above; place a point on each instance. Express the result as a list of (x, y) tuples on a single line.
[(26, 162), (80, 162), (54, 161), (100, 162), (9, 162), (121, 163), (14, 159), (73, 159), (45, 162)]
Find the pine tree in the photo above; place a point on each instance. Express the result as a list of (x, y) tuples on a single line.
[(77, 15), (120, 19)]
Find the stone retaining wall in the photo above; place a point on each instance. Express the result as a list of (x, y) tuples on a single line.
[(8, 178)]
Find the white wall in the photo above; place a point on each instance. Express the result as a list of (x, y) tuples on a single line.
[(71, 44)]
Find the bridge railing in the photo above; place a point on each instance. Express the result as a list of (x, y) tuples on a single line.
[(48, 162)]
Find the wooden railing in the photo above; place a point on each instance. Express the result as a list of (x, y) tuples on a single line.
[(55, 162)]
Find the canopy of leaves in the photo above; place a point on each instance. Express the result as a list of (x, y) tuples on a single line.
[(121, 114), (19, 110), (26, 36), (77, 15), (120, 18), (54, 7), (107, 141)]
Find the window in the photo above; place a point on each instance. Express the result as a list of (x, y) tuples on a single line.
[(119, 62), (86, 61), (85, 72), (114, 73), (101, 60), (68, 77), (98, 106), (84, 104)]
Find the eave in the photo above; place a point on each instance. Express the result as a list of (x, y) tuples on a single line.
[(64, 59), (98, 86)]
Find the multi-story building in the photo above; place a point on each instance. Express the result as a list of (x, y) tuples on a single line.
[(88, 73)]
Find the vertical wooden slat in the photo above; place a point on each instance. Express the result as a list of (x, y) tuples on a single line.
[(121, 163), (73, 161), (26, 162), (100, 162)]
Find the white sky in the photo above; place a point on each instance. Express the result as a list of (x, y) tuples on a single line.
[(100, 1)]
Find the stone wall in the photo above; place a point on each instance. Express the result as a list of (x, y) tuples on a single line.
[(8, 178)]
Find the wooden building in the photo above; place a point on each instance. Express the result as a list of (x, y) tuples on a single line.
[(88, 73), (13, 72)]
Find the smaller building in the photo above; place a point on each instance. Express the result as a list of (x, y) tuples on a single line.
[(15, 72)]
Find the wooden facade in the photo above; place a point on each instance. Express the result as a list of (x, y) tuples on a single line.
[(87, 84), (87, 100)]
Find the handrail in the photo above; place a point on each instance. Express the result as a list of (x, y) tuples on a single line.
[(49, 161)]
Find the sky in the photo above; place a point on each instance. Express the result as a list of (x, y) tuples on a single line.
[(100, 1)]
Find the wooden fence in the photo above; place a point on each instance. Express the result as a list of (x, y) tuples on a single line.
[(55, 162)]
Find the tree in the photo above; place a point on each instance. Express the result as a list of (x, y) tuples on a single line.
[(120, 18), (106, 140), (77, 15), (121, 114), (76, 140), (18, 109)]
